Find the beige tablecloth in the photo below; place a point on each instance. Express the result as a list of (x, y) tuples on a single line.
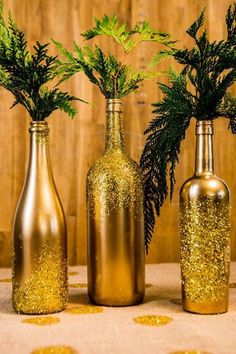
[(114, 331)]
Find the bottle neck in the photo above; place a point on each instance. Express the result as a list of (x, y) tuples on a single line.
[(114, 125), (39, 163), (204, 164)]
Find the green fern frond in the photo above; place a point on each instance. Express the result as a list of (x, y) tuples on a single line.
[(110, 26), (200, 91), (162, 148), (26, 74), (114, 78)]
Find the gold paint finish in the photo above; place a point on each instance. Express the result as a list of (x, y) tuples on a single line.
[(115, 221), (83, 310), (205, 227), (42, 321), (56, 349), (39, 236), (153, 320)]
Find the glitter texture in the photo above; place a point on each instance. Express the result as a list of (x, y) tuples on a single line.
[(115, 221), (83, 309), (45, 290), (57, 349), (7, 280), (78, 285), (42, 321), (39, 235), (153, 320), (205, 249), (115, 181)]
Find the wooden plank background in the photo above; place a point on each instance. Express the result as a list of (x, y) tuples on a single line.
[(75, 145)]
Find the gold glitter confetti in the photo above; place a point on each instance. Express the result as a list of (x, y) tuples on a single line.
[(148, 285), (232, 285), (205, 249), (42, 321), (57, 349), (72, 273), (78, 285), (153, 320), (45, 291), (83, 309), (7, 280)]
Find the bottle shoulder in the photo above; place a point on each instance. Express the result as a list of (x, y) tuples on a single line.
[(207, 185), (114, 161), (116, 166)]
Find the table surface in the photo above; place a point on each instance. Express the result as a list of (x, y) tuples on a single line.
[(113, 330)]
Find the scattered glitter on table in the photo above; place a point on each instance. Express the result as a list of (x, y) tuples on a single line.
[(153, 320), (42, 321), (57, 349), (83, 309)]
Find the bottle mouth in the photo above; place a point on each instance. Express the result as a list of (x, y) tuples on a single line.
[(38, 126), (114, 105), (204, 127)]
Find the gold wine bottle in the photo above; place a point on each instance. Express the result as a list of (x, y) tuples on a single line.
[(205, 232), (115, 221), (39, 235)]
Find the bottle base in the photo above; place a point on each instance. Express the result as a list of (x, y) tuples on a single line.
[(109, 302), (39, 311), (215, 308)]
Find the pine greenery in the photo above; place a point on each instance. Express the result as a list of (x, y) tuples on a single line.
[(25, 75), (114, 78), (200, 91)]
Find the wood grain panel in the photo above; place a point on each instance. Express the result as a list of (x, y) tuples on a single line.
[(75, 145)]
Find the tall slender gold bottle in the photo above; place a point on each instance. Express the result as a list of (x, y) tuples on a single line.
[(205, 232), (115, 221), (39, 235)]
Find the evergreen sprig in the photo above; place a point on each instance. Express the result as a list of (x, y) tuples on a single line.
[(25, 74), (200, 91), (114, 78)]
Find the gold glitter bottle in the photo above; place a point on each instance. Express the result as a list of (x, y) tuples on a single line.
[(39, 235), (115, 221), (205, 232)]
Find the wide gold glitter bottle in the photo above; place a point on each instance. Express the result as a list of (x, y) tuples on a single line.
[(115, 221), (39, 235), (205, 232)]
